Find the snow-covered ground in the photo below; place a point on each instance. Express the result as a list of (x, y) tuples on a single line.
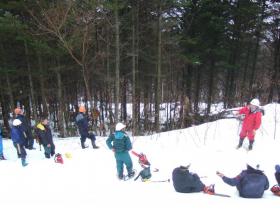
[(88, 180)]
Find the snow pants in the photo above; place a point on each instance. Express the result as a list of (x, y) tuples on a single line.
[(247, 133), (123, 158)]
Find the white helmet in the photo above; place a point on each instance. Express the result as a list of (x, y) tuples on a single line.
[(16, 122), (120, 126), (255, 102)]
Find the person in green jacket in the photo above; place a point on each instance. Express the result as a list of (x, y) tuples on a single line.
[(120, 144)]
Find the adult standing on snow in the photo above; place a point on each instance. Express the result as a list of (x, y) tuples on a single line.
[(82, 123), (19, 141), (120, 144), (26, 128), (252, 120), (1, 145), (44, 135), (250, 183)]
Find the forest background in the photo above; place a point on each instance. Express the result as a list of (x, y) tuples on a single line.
[(172, 61)]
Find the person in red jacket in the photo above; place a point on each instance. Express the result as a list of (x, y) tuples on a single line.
[(252, 121)]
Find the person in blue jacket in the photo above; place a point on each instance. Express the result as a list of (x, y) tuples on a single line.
[(1, 146), (185, 181), (82, 123), (251, 183), (120, 144), (19, 141), (26, 128), (45, 138)]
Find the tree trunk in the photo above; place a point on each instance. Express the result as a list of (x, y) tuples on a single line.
[(197, 90), (134, 50), (210, 86), (117, 65), (274, 85), (124, 101), (256, 51), (32, 95), (158, 83), (60, 101), (45, 110)]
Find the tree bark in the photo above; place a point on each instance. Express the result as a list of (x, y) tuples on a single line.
[(158, 83), (45, 110), (32, 95), (117, 64)]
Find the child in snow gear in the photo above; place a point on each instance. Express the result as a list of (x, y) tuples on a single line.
[(44, 135), (252, 120), (120, 144), (26, 128), (19, 141), (82, 123), (250, 183), (187, 182), (1, 146), (58, 158), (276, 188), (145, 173)]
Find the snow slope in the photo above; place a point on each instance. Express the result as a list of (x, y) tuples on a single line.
[(88, 180)]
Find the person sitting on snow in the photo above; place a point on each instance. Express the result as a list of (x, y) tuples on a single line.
[(120, 144), (145, 173), (276, 188), (187, 182), (82, 123), (45, 138), (251, 183), (252, 120)]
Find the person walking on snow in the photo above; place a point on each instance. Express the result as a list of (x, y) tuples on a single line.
[(44, 135), (251, 123), (82, 123), (251, 183), (19, 141), (120, 144), (1, 146)]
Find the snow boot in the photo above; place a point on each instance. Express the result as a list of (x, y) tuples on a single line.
[(94, 145), (23, 162), (250, 145), (240, 143), (83, 145), (2, 157), (131, 174)]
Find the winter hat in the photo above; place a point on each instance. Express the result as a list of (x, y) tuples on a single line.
[(16, 122), (277, 168), (255, 102), (18, 110), (120, 126), (82, 109)]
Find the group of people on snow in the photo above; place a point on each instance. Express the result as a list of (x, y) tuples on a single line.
[(22, 136), (251, 183)]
